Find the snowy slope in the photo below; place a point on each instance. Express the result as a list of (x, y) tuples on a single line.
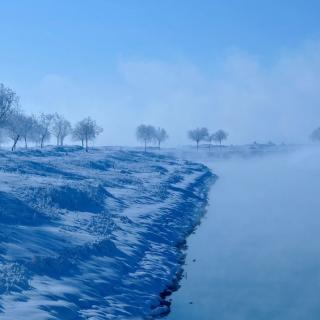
[(94, 236)]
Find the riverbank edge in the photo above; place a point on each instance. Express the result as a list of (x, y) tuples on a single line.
[(200, 188)]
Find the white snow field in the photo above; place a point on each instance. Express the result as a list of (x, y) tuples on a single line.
[(94, 235)]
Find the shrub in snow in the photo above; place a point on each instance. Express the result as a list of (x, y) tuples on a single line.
[(13, 277)]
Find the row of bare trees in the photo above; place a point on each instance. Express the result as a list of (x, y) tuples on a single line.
[(149, 134), (202, 134), (17, 126)]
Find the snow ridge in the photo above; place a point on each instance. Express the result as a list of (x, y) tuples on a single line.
[(94, 236)]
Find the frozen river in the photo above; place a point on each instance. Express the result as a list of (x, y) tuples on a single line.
[(256, 254)]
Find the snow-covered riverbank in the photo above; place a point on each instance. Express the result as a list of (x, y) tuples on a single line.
[(256, 255), (93, 236)]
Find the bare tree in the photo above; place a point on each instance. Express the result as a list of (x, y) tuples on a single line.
[(198, 135), (86, 130), (210, 138), (160, 136), (36, 133), (61, 128), (220, 135), (315, 135), (146, 134), (8, 101), (15, 127), (44, 128), (28, 125), (78, 133)]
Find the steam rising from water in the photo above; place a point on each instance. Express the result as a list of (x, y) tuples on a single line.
[(257, 252)]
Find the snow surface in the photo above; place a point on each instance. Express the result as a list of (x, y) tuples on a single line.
[(94, 235)]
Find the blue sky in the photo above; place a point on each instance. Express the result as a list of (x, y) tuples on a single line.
[(126, 62)]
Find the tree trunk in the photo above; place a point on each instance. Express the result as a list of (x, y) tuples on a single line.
[(82, 143), (25, 143), (145, 145), (15, 141), (197, 145), (159, 144), (41, 143), (86, 144)]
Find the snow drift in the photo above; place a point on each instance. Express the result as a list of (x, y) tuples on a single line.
[(94, 236)]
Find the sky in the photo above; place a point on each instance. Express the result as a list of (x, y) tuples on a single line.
[(249, 67)]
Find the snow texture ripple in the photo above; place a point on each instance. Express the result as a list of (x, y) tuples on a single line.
[(94, 235)]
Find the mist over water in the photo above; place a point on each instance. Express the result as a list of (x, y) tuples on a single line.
[(94, 97), (257, 253)]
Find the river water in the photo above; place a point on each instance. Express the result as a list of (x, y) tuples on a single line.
[(256, 254)]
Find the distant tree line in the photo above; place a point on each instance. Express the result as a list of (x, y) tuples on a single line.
[(148, 134), (202, 134), (17, 126)]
